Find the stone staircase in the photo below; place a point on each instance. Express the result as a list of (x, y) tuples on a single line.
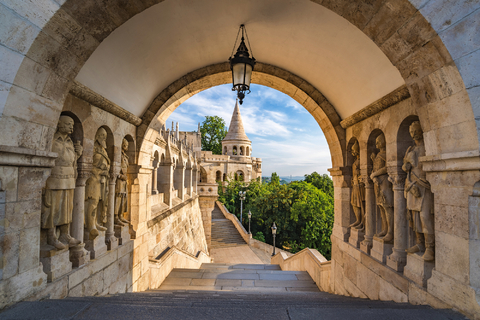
[(224, 233), (258, 278)]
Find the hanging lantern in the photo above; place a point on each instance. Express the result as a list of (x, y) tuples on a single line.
[(242, 66)]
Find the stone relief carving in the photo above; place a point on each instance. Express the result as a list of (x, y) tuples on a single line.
[(383, 190), (58, 195), (419, 196), (96, 189), (358, 193), (121, 188)]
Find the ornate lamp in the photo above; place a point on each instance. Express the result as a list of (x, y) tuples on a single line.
[(242, 66)]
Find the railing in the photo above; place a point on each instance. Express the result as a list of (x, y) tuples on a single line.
[(173, 258), (309, 260)]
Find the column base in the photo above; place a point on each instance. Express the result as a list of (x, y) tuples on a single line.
[(55, 262), (123, 234), (397, 260), (79, 256), (111, 241), (97, 246), (356, 237), (417, 269), (380, 250), (366, 246)]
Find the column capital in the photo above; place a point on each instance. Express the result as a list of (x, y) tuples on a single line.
[(397, 179), (84, 171)]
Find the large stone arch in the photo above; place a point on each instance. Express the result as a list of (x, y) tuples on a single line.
[(56, 41), (300, 90), (45, 43)]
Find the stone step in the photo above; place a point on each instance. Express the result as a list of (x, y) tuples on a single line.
[(173, 305), (248, 278)]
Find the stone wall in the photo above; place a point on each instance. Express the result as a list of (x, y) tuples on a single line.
[(364, 264)]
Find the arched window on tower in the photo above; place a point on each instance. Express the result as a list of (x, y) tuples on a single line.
[(239, 175), (218, 176), (224, 177), (225, 150), (242, 151), (248, 152), (234, 151)]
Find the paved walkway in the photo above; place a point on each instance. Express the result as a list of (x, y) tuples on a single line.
[(238, 254)]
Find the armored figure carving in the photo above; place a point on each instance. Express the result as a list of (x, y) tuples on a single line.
[(383, 189), (96, 189), (121, 188), (419, 196), (358, 194), (57, 203)]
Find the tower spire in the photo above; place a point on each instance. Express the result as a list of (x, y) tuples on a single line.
[(236, 130)]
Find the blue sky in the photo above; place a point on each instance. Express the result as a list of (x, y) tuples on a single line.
[(283, 133)]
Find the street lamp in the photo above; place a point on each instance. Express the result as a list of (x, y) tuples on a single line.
[(249, 219), (274, 232), (242, 197), (242, 66)]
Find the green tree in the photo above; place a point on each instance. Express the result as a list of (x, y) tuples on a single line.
[(213, 131), (321, 182)]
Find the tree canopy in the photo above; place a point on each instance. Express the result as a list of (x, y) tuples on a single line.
[(213, 131), (302, 212)]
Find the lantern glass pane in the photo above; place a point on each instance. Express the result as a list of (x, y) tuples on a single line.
[(248, 74), (238, 72)]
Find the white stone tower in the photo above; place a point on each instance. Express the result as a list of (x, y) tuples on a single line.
[(236, 143)]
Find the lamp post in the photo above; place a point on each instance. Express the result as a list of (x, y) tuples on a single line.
[(249, 219), (274, 232), (242, 197), (242, 66)]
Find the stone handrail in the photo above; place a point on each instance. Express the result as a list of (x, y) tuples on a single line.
[(309, 260), (245, 235), (173, 258)]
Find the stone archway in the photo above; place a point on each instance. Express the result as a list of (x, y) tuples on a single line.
[(46, 43)]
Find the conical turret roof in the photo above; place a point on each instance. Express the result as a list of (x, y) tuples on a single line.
[(236, 130)]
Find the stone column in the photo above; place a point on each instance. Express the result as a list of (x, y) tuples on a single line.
[(154, 180), (180, 180), (166, 183), (341, 181), (78, 255), (398, 258), (188, 178), (195, 179), (207, 196), (110, 238), (367, 243)]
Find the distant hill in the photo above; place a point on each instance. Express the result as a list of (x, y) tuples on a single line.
[(284, 179)]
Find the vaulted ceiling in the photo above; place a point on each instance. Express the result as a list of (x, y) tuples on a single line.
[(161, 44)]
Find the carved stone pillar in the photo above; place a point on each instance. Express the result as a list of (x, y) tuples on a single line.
[(154, 180), (367, 243), (110, 238), (189, 180), (78, 255), (398, 258), (180, 180), (195, 179), (166, 183), (341, 177)]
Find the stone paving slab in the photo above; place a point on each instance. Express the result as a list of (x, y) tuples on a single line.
[(232, 276), (291, 284), (222, 305), (279, 277)]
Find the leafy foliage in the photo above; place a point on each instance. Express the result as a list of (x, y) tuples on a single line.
[(213, 131), (322, 182), (302, 212)]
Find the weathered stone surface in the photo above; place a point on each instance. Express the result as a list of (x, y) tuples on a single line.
[(417, 269), (440, 15)]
